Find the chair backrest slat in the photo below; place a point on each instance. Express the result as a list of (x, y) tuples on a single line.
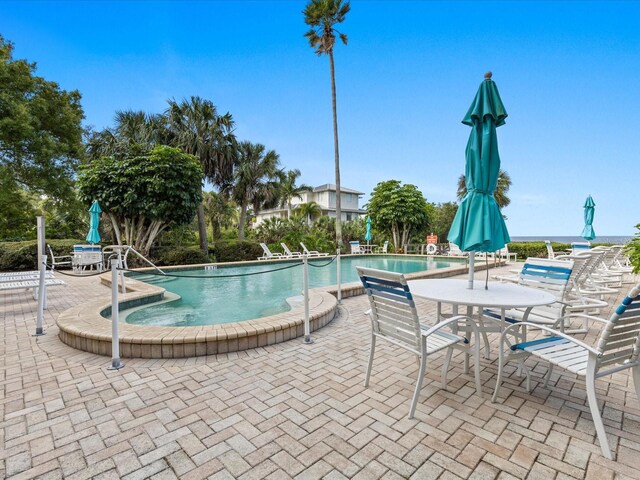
[(620, 338), (393, 311), (549, 275)]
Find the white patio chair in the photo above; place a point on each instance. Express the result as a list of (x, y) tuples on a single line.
[(504, 253), (312, 253), (580, 247), (268, 255), (59, 260), (355, 247), (618, 348), (384, 248), (549, 275), (288, 253), (394, 318)]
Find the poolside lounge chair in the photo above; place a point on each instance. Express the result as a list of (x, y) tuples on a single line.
[(394, 318), (550, 253), (58, 260), (33, 284), (454, 251), (579, 247), (312, 253), (267, 253), (504, 253), (383, 248), (355, 247), (288, 253), (617, 349)]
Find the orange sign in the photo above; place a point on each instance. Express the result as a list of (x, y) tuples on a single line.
[(432, 238)]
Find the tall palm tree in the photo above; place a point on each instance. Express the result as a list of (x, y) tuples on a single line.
[(196, 127), (321, 16), (504, 183), (255, 179), (289, 190)]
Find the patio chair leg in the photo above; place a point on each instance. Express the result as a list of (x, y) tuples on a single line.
[(547, 377), (445, 367), (635, 371), (595, 410), (499, 379), (476, 361), (370, 364), (487, 348), (416, 394)]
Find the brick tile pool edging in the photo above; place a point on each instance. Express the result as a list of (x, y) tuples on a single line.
[(84, 328)]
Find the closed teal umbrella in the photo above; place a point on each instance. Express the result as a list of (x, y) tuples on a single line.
[(367, 235), (478, 225), (589, 210), (94, 220)]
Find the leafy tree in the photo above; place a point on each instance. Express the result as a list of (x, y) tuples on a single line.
[(40, 130), (17, 212), (289, 190), (144, 195), (255, 179), (441, 217), (322, 16), (397, 209), (504, 183), (196, 127)]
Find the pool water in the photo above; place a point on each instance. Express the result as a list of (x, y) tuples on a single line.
[(215, 300)]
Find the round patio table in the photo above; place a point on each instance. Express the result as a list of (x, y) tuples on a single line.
[(502, 296)]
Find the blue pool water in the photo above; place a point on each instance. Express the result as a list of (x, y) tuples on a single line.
[(222, 300)]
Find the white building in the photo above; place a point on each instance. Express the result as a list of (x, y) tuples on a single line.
[(325, 197)]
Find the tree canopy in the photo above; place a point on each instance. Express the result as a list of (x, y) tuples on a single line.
[(397, 209), (40, 128), (143, 195)]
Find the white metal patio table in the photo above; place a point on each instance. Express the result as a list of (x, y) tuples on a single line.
[(502, 296)]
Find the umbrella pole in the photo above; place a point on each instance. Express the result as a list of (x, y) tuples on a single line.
[(472, 261)]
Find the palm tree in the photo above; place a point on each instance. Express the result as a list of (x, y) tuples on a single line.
[(289, 190), (255, 179), (504, 183), (134, 132), (309, 211), (220, 211), (196, 127), (321, 16)]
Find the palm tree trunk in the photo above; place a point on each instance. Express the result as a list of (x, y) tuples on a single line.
[(337, 154), (243, 220), (202, 229)]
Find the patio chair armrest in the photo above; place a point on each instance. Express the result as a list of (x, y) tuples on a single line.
[(457, 318), (579, 315), (552, 331)]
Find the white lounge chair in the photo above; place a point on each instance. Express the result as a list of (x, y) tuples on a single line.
[(383, 248), (504, 253), (454, 251), (32, 284), (288, 253), (267, 253), (617, 349), (355, 247), (579, 247), (312, 253), (550, 253), (394, 318)]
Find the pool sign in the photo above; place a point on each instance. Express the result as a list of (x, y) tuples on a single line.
[(432, 239)]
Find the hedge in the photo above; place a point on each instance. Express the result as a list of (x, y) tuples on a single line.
[(539, 249), (17, 256)]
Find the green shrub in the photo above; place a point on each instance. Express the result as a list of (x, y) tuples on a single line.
[(235, 251), (178, 256), (535, 249), (19, 256), (633, 250)]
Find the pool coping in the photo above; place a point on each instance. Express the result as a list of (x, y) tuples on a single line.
[(84, 328)]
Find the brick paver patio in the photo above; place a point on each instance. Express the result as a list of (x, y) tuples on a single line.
[(289, 411)]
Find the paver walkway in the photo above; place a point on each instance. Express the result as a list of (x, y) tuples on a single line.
[(289, 410)]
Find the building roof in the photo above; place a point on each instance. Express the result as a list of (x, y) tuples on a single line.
[(331, 186)]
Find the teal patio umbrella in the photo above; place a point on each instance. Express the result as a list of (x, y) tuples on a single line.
[(367, 235), (94, 220), (478, 225), (589, 209)]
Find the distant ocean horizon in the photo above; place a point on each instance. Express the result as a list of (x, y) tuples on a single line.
[(618, 239)]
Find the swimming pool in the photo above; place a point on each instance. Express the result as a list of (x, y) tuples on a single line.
[(218, 300)]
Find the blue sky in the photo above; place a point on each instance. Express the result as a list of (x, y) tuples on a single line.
[(568, 74)]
